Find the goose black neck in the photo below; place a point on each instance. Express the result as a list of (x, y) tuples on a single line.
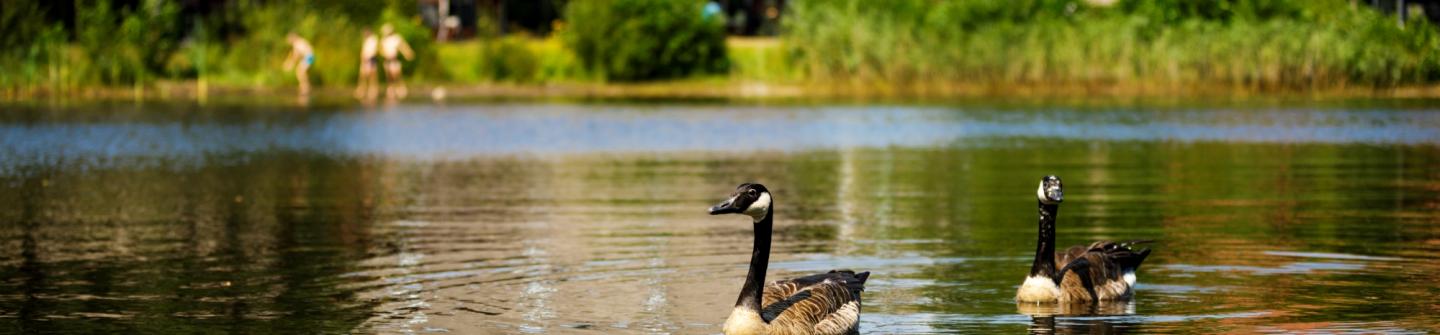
[(753, 290), (1045, 243)]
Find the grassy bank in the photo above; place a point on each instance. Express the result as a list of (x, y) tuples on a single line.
[(827, 48), (1254, 45), (528, 67), (529, 60)]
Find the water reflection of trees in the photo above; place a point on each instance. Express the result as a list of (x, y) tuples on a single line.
[(265, 243), (163, 247), (1208, 204)]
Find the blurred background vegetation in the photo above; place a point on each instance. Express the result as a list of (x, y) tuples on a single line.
[(64, 46), (645, 39), (1247, 43)]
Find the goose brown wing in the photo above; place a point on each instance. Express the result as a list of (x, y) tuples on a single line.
[(827, 303), (1106, 263), (1070, 255), (1123, 254)]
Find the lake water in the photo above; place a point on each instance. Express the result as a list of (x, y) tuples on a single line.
[(589, 218)]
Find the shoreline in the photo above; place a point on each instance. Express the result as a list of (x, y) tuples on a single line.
[(720, 89)]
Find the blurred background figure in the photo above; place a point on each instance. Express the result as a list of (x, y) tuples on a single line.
[(301, 57), (391, 47), (368, 84), (712, 9), (439, 15), (450, 26)]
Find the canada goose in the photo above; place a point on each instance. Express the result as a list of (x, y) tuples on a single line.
[(826, 303), (1101, 271)]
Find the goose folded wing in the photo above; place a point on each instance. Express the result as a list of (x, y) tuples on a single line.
[(1105, 266), (826, 306), (1121, 254), (1071, 254), (782, 294)]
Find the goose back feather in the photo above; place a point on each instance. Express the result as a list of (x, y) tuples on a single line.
[(827, 303), (1110, 269)]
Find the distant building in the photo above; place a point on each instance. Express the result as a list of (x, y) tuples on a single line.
[(1405, 9), (449, 19), (467, 18), (753, 17)]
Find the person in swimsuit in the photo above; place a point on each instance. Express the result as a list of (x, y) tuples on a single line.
[(369, 81), (392, 46), (301, 58)]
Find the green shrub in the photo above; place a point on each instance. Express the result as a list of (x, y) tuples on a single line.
[(32, 47), (496, 59), (760, 60), (516, 58), (126, 45), (644, 39), (508, 59), (557, 62)]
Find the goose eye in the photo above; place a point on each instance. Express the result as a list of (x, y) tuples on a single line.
[(751, 191)]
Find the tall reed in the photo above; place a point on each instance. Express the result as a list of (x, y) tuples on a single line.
[(1258, 44)]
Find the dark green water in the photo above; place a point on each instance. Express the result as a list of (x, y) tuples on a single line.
[(590, 218)]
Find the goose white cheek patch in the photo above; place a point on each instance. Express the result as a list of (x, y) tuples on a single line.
[(1040, 194), (761, 206)]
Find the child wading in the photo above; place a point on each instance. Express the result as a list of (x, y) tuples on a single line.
[(391, 47), (369, 82), (301, 57)]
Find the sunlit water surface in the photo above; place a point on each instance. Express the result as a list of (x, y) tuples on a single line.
[(590, 218)]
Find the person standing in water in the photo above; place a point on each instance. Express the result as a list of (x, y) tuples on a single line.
[(301, 57), (391, 47), (369, 81)]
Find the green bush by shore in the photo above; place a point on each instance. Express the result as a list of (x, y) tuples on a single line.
[(631, 40)]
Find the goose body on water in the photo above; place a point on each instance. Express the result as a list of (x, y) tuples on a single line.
[(826, 303), (1099, 271)]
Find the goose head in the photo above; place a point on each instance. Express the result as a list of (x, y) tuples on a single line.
[(1050, 192), (749, 199)]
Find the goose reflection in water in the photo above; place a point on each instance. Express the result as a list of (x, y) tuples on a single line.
[(1077, 318)]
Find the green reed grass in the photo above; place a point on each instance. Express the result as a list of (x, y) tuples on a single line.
[(1250, 44)]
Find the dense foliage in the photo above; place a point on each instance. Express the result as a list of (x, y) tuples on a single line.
[(240, 43), (645, 39), (1175, 45), (108, 44), (1245, 43)]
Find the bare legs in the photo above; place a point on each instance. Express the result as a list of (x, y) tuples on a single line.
[(302, 74), (394, 85), (369, 83)]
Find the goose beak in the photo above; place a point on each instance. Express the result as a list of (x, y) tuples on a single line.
[(727, 207)]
